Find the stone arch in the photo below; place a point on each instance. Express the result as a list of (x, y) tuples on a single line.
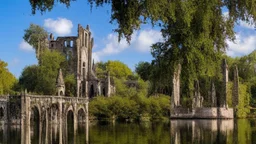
[(81, 113), (35, 120), (104, 91), (55, 113), (61, 93)]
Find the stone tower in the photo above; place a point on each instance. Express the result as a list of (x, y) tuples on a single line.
[(60, 84), (223, 99)]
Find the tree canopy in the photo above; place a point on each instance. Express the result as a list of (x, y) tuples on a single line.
[(115, 68), (36, 36), (7, 79), (41, 78)]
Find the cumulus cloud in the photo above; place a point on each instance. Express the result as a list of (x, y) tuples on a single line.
[(141, 42), (60, 26), (243, 45), (24, 46)]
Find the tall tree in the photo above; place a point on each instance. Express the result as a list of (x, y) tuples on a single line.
[(36, 36)]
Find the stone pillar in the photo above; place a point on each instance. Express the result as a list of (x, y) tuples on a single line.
[(213, 95), (87, 121), (60, 121), (198, 99), (223, 98), (25, 119), (235, 99), (108, 85), (175, 100)]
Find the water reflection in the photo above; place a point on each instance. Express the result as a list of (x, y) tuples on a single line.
[(240, 131)]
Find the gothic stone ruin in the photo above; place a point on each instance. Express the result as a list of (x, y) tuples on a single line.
[(54, 110), (197, 110), (78, 52)]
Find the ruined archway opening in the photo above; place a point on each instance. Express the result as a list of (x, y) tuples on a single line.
[(104, 92), (1, 114), (34, 124), (70, 126), (91, 94), (81, 116)]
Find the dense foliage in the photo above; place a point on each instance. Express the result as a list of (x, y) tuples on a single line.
[(36, 36), (7, 79), (41, 78), (115, 68)]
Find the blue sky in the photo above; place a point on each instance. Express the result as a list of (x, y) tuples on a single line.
[(16, 16)]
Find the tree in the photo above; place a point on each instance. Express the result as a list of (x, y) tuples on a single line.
[(115, 68), (41, 78), (29, 78), (36, 36), (143, 69), (7, 79)]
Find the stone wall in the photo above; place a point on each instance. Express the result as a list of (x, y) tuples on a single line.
[(210, 113)]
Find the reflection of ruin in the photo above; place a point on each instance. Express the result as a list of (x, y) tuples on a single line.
[(201, 131), (218, 105)]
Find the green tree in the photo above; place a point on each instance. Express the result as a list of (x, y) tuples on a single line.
[(7, 79), (36, 36), (29, 78), (144, 70), (41, 78), (115, 68)]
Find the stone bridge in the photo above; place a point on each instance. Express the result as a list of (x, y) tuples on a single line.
[(46, 112)]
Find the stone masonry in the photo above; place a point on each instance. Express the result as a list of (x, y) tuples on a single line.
[(223, 98), (78, 52), (175, 102)]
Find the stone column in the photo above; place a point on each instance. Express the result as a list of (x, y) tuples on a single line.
[(223, 99), (108, 85), (25, 119), (235, 99), (60, 121), (175, 100), (87, 122)]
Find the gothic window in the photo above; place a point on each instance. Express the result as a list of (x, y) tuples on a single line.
[(65, 43), (52, 45), (85, 40), (71, 43)]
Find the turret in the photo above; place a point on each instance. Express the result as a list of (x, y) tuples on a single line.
[(60, 84)]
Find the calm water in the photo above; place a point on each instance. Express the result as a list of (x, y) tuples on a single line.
[(176, 131)]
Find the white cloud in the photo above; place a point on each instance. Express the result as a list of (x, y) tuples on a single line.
[(243, 45), (145, 39), (141, 41), (60, 26), (24, 46), (247, 25), (15, 62)]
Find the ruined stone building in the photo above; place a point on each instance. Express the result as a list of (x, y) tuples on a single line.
[(78, 52)]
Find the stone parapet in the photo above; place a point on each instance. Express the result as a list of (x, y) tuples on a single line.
[(203, 113)]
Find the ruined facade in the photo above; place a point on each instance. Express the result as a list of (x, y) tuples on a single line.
[(78, 52), (198, 99)]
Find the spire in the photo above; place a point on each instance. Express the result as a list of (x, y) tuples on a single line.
[(60, 80)]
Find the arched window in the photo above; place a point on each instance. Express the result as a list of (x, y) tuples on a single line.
[(71, 43), (65, 43), (85, 40)]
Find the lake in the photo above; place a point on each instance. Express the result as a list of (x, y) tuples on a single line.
[(241, 131)]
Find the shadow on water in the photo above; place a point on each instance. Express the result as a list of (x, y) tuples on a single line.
[(242, 131)]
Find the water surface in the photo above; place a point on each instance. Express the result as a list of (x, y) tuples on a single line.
[(242, 131)]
